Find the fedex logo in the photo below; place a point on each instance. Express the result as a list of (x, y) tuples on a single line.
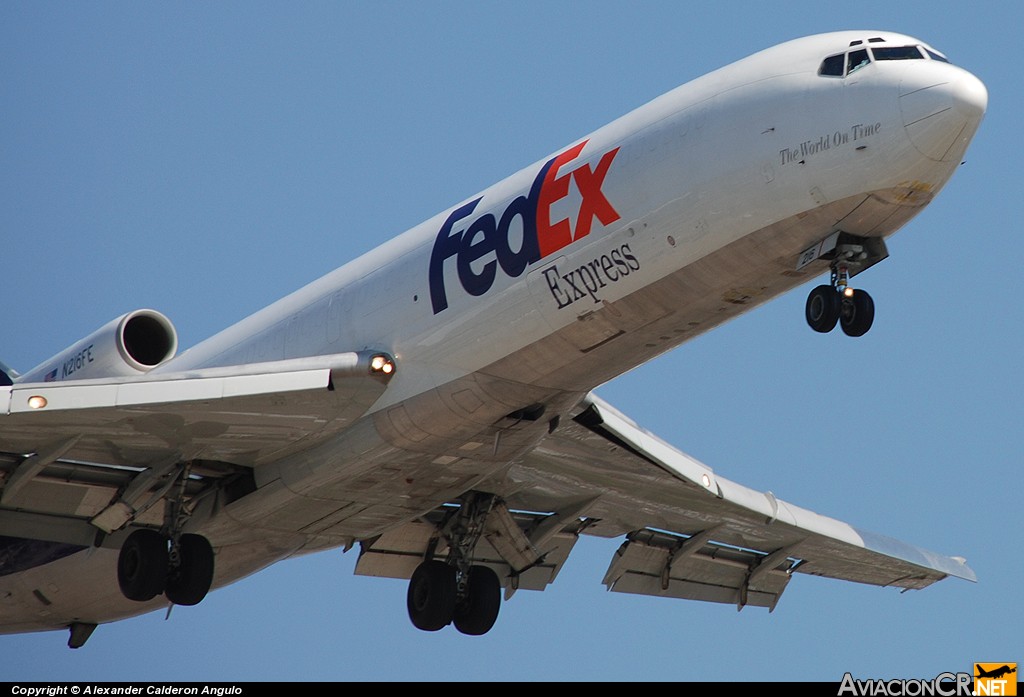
[(483, 244)]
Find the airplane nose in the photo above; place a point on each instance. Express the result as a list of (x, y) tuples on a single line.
[(970, 97), (941, 117)]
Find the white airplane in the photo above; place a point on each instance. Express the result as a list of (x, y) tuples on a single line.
[(431, 401)]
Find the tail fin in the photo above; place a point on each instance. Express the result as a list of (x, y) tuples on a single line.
[(7, 375)]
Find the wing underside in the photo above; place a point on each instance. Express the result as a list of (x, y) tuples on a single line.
[(87, 457), (688, 533)]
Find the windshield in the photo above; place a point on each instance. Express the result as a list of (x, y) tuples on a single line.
[(843, 64)]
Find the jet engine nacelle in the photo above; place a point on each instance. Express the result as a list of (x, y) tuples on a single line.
[(133, 343)]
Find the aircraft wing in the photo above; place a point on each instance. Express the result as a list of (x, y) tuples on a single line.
[(88, 455), (689, 533)]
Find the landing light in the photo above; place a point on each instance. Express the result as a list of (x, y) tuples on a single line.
[(848, 292), (382, 364), (37, 401)]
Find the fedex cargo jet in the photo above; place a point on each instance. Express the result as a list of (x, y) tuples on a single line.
[(430, 404)]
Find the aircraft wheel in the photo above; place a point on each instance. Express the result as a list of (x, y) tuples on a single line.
[(142, 565), (858, 314), (190, 582), (476, 614), (823, 309), (431, 597)]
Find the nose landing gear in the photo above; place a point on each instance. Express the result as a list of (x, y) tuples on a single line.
[(857, 314), (836, 302), (827, 305)]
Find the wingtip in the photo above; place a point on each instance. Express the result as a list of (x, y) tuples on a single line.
[(968, 573)]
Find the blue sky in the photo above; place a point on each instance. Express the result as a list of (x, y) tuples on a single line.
[(204, 159)]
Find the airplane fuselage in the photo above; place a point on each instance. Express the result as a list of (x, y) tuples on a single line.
[(763, 144)]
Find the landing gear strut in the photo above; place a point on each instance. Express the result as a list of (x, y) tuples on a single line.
[(455, 590), (827, 305), (179, 565)]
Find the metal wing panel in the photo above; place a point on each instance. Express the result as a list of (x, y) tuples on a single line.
[(650, 491), (244, 415), (98, 454)]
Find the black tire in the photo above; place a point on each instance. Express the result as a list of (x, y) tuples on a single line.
[(191, 581), (823, 309), (142, 565), (858, 314), (476, 614), (431, 596)]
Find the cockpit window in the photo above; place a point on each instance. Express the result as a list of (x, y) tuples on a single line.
[(846, 64), (896, 53), (856, 60), (833, 65)]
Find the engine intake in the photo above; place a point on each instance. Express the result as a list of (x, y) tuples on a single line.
[(131, 344)]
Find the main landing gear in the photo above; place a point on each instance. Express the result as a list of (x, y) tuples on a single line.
[(440, 594), (456, 591), (177, 564), (827, 305), (151, 564)]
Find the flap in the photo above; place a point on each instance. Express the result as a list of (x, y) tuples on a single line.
[(656, 563)]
